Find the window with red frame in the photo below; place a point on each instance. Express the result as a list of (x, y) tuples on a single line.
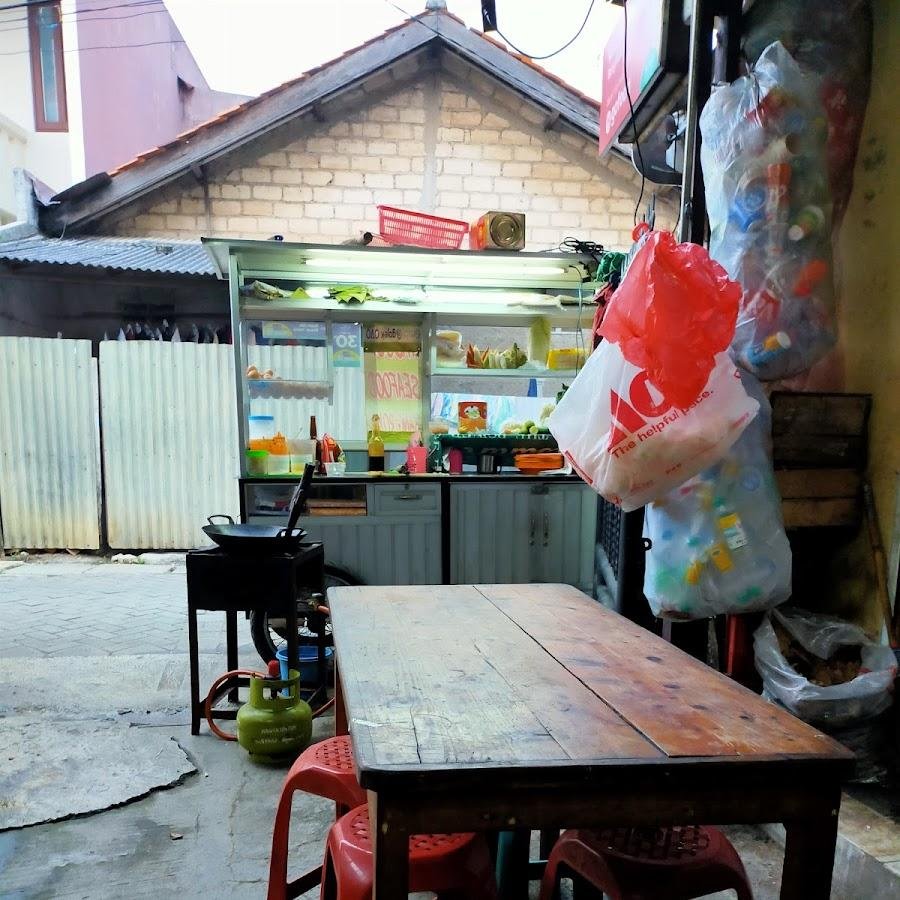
[(48, 77)]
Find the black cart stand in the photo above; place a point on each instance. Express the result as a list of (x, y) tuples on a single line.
[(231, 584)]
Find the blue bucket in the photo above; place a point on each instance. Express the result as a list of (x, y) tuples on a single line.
[(309, 658)]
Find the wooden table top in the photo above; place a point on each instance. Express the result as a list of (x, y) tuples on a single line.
[(538, 677)]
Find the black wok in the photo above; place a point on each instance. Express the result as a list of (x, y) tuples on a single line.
[(262, 540)]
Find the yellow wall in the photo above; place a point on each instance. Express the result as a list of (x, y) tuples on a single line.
[(868, 253)]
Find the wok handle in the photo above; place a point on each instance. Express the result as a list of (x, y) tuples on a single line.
[(220, 516)]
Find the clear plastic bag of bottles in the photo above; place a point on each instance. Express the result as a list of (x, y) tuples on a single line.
[(770, 206), (718, 543)]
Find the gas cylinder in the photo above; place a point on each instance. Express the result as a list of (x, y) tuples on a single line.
[(276, 726)]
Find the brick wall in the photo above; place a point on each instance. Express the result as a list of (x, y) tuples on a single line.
[(455, 144)]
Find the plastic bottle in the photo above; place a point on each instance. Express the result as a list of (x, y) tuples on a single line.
[(376, 447)]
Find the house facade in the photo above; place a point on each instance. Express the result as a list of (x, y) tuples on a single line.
[(430, 115), (89, 83)]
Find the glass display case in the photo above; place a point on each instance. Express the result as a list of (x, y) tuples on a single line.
[(342, 334)]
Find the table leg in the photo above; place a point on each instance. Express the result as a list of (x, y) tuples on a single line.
[(515, 849), (231, 649), (390, 852), (292, 637), (809, 856), (340, 710), (194, 669)]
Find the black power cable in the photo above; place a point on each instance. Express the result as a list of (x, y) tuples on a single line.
[(637, 143), (567, 44)]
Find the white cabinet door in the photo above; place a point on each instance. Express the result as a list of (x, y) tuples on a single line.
[(492, 531), (567, 521)]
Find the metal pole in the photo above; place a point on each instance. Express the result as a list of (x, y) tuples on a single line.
[(691, 132)]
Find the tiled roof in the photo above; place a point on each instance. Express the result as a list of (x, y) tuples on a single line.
[(239, 108), (163, 257), (236, 110)]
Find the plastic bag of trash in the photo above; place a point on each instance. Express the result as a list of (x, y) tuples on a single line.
[(822, 668), (718, 543), (764, 156), (660, 399)]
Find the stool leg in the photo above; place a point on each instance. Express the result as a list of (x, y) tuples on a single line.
[(550, 881), (280, 839)]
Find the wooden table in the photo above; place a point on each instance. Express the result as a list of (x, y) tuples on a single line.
[(532, 706)]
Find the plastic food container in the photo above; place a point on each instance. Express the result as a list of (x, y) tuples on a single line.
[(335, 468), (303, 451), (566, 358), (261, 427), (257, 462), (279, 464)]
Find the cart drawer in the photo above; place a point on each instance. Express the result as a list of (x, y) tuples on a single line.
[(406, 499)]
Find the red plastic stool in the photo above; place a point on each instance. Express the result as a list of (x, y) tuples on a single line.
[(325, 769), (448, 864), (647, 863)]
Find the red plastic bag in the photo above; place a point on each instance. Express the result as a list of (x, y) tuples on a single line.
[(674, 311)]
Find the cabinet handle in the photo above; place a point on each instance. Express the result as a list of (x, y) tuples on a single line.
[(546, 529), (409, 496), (533, 530)]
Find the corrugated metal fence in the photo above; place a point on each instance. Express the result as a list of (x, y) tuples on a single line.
[(169, 436), (49, 444), (169, 441)]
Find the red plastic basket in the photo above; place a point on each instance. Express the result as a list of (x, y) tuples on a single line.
[(415, 229)]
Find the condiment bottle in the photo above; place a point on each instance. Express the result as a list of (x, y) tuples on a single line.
[(376, 447), (314, 436)]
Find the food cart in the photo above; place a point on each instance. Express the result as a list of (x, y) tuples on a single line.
[(343, 334)]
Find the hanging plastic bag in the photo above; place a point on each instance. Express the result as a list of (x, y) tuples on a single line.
[(831, 650), (718, 543), (673, 313), (770, 207), (659, 400), (832, 44)]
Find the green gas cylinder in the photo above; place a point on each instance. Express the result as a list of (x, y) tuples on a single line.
[(276, 726)]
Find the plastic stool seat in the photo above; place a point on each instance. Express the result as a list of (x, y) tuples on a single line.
[(676, 863), (325, 769), (451, 865)]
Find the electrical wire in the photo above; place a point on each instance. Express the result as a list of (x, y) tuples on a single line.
[(67, 21), (637, 143), (107, 47), (73, 13), (565, 46)]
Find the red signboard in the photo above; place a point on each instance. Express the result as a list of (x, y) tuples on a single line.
[(645, 47)]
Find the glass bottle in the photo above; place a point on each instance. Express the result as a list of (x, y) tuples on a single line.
[(314, 436), (376, 447)]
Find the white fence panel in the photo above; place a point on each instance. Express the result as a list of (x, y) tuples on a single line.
[(169, 441), (49, 444)]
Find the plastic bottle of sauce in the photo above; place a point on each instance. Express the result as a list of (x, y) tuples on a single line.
[(376, 447)]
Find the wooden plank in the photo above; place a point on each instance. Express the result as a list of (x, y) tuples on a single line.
[(820, 414), (812, 450), (818, 483), (436, 675), (821, 513), (683, 706)]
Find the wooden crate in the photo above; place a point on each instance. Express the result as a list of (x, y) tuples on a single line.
[(820, 430), (816, 498)]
